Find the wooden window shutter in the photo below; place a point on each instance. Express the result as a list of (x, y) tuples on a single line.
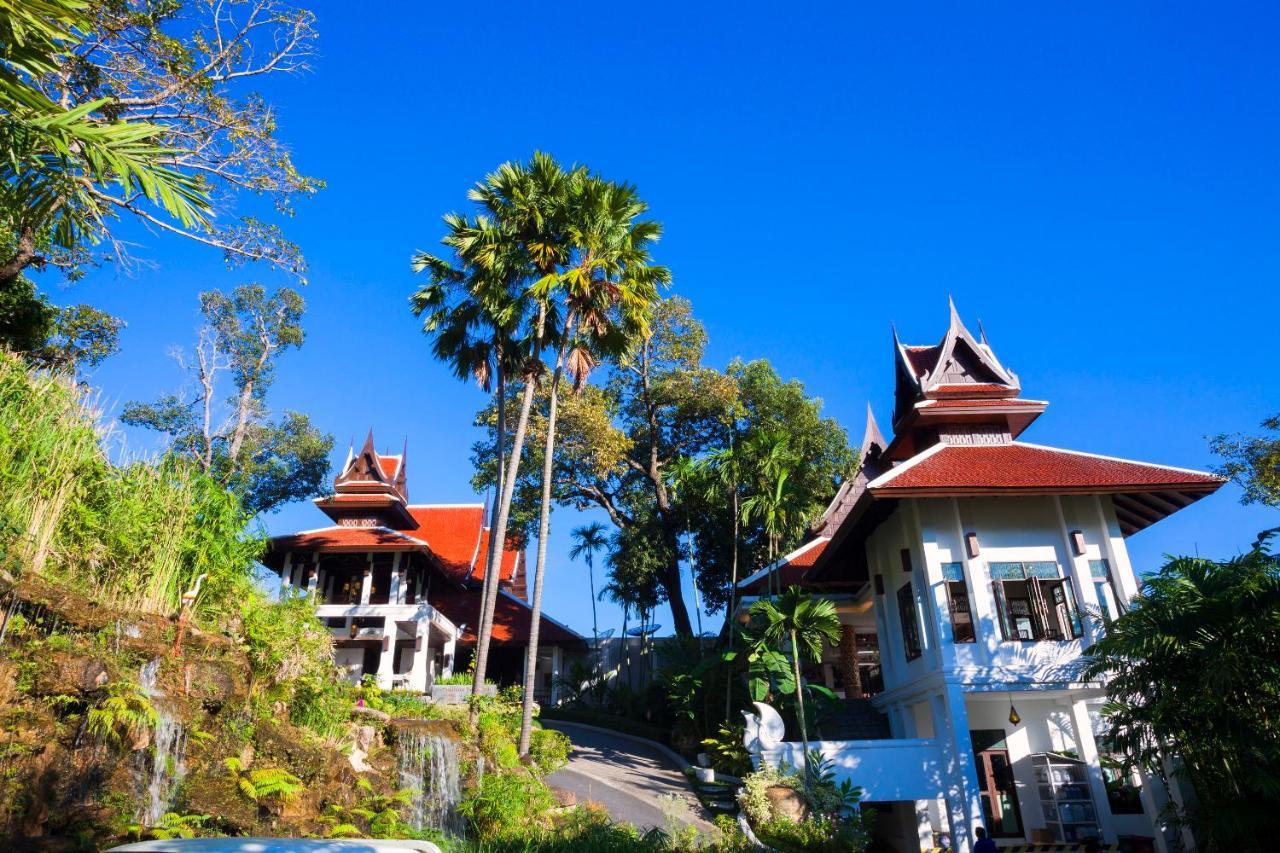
[(1002, 610)]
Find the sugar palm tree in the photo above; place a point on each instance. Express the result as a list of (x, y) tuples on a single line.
[(684, 475), (522, 228), (474, 309), (588, 541), (608, 288), (805, 623)]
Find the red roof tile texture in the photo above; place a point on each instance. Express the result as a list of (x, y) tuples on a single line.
[(511, 620), (348, 539), (452, 532), (922, 359), (1023, 467), (792, 572)]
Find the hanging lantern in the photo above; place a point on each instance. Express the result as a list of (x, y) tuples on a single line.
[(1013, 713)]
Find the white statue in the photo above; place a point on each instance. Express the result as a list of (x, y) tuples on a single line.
[(765, 729)]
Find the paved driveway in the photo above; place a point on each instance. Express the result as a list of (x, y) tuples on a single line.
[(630, 780)]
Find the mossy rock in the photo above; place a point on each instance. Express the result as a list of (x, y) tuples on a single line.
[(70, 673)]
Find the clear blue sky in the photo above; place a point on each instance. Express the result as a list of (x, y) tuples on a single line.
[(1099, 186)]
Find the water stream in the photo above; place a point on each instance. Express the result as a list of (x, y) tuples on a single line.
[(163, 766), (428, 766)]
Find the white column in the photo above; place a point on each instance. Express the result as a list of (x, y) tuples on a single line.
[(421, 655), (1081, 576), (924, 825), (386, 664), (313, 575), (366, 581), (557, 659), (1089, 755), (960, 786), (286, 573), (449, 652), (397, 588)]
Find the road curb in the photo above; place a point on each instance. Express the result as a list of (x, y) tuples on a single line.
[(678, 762)]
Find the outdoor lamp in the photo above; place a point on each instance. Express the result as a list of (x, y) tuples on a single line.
[(1014, 719), (971, 543)]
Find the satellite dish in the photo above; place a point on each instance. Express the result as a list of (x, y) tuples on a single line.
[(644, 630), (606, 633), (708, 634)]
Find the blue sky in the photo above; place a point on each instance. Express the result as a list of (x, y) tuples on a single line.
[(1099, 186)]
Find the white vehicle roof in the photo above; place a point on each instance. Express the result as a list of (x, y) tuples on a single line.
[(278, 845)]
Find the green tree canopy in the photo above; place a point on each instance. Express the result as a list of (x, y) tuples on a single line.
[(1253, 462), (1193, 670), (658, 406), (267, 462)]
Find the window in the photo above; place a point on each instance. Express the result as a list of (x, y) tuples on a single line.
[(910, 627), (1105, 587), (958, 603), (1034, 602)]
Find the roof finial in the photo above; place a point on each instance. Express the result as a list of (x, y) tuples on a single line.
[(351, 451), (955, 315), (872, 436), (982, 334)]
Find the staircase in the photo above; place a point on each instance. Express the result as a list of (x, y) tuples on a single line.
[(855, 719)]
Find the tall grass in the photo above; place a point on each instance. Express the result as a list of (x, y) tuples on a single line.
[(134, 535)]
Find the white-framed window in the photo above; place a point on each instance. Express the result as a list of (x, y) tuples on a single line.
[(958, 603), (1104, 585), (1034, 601)]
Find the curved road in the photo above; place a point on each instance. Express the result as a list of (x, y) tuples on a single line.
[(627, 778)]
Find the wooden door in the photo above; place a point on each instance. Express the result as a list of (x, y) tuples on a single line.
[(998, 790)]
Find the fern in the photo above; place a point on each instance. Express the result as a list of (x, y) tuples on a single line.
[(125, 711), (265, 784)]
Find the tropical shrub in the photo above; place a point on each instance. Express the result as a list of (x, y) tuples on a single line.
[(549, 750), (266, 784), (1193, 674), (505, 805)]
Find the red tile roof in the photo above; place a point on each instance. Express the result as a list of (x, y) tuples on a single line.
[(509, 559), (922, 359), (971, 388), (1019, 467), (390, 463), (511, 620), (978, 402), (795, 565), (452, 531), (349, 539)]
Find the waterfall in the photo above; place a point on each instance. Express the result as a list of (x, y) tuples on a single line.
[(428, 767), (164, 765)]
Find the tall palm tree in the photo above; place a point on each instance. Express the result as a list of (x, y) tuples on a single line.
[(474, 308), (805, 622), (525, 201), (685, 475), (608, 288), (588, 541)]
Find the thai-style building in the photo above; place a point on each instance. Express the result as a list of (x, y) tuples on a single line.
[(399, 583), (970, 570)]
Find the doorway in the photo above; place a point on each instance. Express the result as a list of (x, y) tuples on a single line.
[(998, 790)]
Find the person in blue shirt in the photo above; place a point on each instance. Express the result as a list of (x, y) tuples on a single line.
[(984, 845)]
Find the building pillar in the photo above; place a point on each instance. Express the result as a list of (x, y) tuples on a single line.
[(286, 574), (387, 663), (849, 664), (313, 576), (557, 660), (448, 654), (396, 594), (960, 786), (366, 581), (419, 673), (924, 825), (1088, 750)]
